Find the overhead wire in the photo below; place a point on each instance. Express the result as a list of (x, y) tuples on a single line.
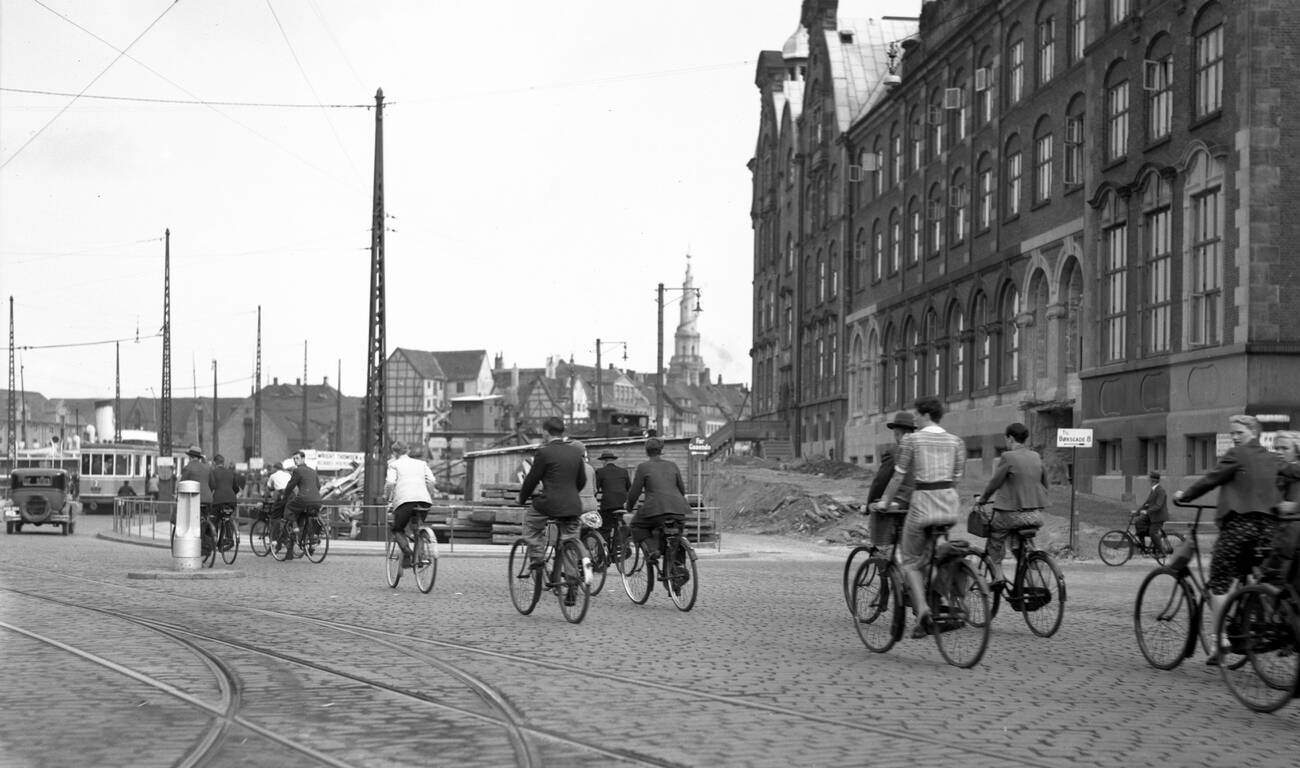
[(315, 7), (195, 102)]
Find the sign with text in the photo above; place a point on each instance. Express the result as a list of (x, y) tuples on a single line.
[(698, 447), (1074, 438)]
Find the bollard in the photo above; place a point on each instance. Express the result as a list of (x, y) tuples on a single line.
[(187, 547)]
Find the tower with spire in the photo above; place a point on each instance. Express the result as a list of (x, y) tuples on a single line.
[(687, 365)]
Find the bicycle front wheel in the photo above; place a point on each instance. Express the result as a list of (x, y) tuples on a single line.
[(525, 583), (979, 560), (316, 540), (426, 561), (229, 541), (392, 561), (683, 578), (595, 545), (852, 564), (1041, 591), (208, 542), (1115, 548), (961, 616), (573, 592), (637, 573), (282, 545), (1254, 624), (877, 608), (259, 537), (1164, 618)]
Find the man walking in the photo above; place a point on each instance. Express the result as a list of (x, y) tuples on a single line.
[(1019, 492), (559, 468)]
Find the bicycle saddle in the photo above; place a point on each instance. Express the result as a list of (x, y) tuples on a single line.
[(935, 530), (1027, 532)]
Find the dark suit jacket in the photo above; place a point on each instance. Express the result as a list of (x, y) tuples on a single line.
[(305, 480), (1246, 477), (1018, 482), (881, 481), (1155, 506), (665, 493), (199, 471), (612, 484), (225, 485), (559, 467)]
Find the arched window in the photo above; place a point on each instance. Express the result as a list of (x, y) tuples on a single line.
[(1015, 65), (1204, 225), (1157, 257), (1117, 11), (871, 399), (1078, 29), (985, 190), (855, 371), (896, 150), (983, 343), (959, 118), (823, 278), (878, 163), (934, 211), (1072, 297), (810, 281), (877, 250), (933, 362), (1035, 340), (833, 270), (1114, 293), (956, 349), (958, 200), (1158, 85), (984, 80), (895, 241), (914, 245), (1014, 177), (1208, 58), (1046, 44), (1043, 160), (1117, 107), (1010, 336), (935, 116)]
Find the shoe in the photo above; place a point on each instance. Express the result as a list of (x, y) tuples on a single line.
[(406, 561), (570, 598), (532, 569), (924, 626)]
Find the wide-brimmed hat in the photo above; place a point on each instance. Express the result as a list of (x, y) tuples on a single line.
[(1154, 475), (607, 456), (194, 451), (903, 420)]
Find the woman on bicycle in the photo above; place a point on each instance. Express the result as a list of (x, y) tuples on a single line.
[(1279, 567), (665, 496), (1247, 479), (408, 485)]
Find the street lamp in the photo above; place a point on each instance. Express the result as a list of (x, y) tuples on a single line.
[(598, 376), (659, 384)]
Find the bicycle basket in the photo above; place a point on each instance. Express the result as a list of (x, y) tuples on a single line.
[(591, 520), (1030, 599)]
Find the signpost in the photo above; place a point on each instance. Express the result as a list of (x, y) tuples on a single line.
[(1074, 439), (698, 449)]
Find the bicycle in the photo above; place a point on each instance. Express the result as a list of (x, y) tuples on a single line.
[(1261, 627), (311, 539), (565, 567), (1172, 607), (424, 551), (1115, 547), (219, 534), (603, 546), (681, 577), (259, 533), (1037, 588), (958, 599)]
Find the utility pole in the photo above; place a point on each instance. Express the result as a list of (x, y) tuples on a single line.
[(659, 380), (11, 444), (216, 438), (376, 342), (165, 405), (337, 443), (117, 393), (596, 426), (257, 390), (22, 384), (305, 444)]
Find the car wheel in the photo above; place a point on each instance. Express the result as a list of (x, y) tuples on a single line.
[(9, 528), (65, 529)]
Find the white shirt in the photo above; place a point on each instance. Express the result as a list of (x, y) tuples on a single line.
[(278, 480), (408, 480)]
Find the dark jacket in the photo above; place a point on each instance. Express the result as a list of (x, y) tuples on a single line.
[(225, 484), (1246, 477), (612, 484), (665, 493), (1156, 505), (1018, 482), (881, 481), (306, 481), (199, 471), (559, 467)]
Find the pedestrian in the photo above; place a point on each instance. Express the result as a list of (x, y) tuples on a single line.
[(558, 469), (1246, 512), (665, 496), (126, 490), (409, 487), (225, 484), (198, 470), (934, 459), (885, 524), (612, 485), (1019, 492), (1156, 508), (151, 486)]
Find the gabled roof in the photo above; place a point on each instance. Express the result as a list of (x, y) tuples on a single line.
[(424, 363), (461, 365), (858, 69)]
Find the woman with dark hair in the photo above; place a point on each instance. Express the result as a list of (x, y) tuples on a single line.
[(665, 495)]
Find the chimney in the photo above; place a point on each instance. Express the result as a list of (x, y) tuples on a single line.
[(514, 377), (325, 382), (275, 381), (719, 379), (499, 362), (297, 382), (550, 366)]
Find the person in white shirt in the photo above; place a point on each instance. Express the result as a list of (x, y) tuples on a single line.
[(409, 487), (275, 496)]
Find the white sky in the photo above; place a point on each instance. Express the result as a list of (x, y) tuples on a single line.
[(546, 165)]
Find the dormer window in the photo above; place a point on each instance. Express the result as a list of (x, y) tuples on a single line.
[(846, 36)]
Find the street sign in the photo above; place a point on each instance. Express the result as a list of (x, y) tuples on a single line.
[(697, 447), (1074, 438)]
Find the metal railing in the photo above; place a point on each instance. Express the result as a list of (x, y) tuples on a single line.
[(139, 516)]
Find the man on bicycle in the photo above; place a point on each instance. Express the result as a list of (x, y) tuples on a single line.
[(665, 496), (409, 487), (1019, 492), (559, 468), (935, 460), (612, 484), (883, 528), (226, 485), (1157, 512), (301, 506)]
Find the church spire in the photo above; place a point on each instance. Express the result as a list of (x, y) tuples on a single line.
[(687, 365)]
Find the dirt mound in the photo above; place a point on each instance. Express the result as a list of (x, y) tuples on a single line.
[(820, 465)]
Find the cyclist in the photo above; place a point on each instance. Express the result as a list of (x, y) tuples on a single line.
[(1019, 492), (612, 484), (1280, 567), (300, 506), (1246, 477), (935, 460), (1157, 512), (665, 496), (409, 487), (558, 467), (226, 485), (273, 498), (882, 529)]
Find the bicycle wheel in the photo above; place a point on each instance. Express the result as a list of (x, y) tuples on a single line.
[(622, 547), (961, 616), (877, 607), (316, 540), (1254, 624), (1172, 540), (426, 561), (595, 545), (282, 545), (208, 543), (229, 541), (851, 565), (683, 577), (392, 561), (1115, 548), (637, 574), (525, 584), (1041, 593), (1164, 618), (574, 593), (259, 537), (979, 560)]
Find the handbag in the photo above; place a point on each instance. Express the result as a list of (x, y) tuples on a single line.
[(591, 519), (978, 522)]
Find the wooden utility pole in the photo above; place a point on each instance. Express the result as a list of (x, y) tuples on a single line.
[(305, 444), (11, 446), (337, 443), (216, 439), (376, 343), (165, 405), (257, 390), (659, 380)]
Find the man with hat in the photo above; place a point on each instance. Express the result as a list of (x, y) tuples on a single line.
[(884, 524), (198, 470), (612, 484), (1157, 513), (559, 468)]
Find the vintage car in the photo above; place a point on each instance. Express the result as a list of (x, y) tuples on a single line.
[(41, 497)]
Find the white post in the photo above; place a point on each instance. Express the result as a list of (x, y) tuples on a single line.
[(187, 549)]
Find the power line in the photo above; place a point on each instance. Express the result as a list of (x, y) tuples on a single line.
[(194, 102), (342, 53), (86, 343), (94, 80)]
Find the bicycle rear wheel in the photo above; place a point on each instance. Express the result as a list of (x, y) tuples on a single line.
[(979, 560), (316, 539), (426, 561), (1115, 548), (228, 544), (1254, 624), (573, 592), (525, 584), (637, 574), (595, 544), (961, 616), (1165, 618), (208, 543), (683, 578), (282, 546), (392, 561), (259, 537), (1041, 593), (877, 607), (1172, 540), (851, 565)]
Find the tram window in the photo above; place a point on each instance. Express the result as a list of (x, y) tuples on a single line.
[(85, 463), (122, 464), (96, 464)]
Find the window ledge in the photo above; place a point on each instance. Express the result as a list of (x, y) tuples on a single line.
[(1071, 189), (1160, 142), (1115, 163), (1011, 218), (1205, 119), (1041, 204)]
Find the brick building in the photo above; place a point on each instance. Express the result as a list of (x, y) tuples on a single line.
[(1062, 212)]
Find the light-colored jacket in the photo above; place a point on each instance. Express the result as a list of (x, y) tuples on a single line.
[(408, 480), (588, 493)]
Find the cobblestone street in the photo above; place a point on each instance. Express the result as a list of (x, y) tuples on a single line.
[(324, 664)]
